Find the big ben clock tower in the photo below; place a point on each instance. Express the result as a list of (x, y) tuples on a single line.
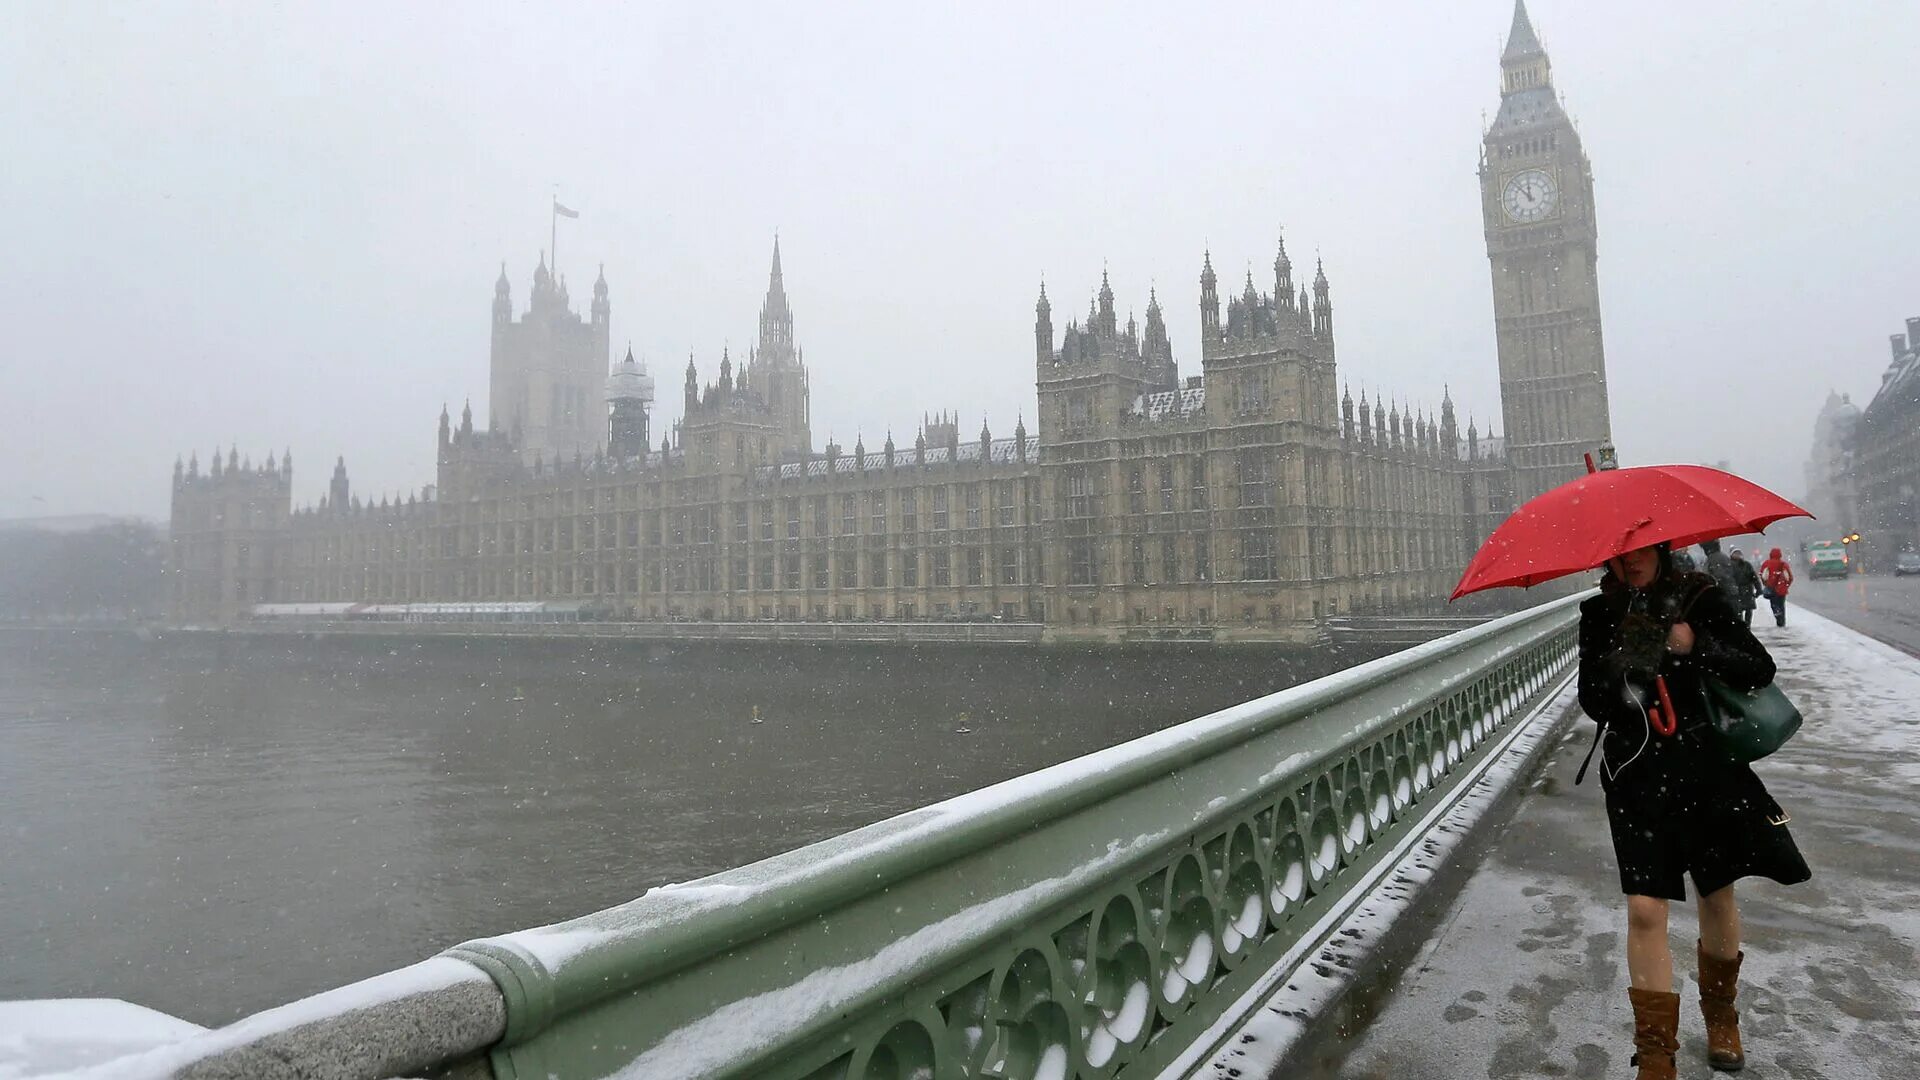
[(1536, 194)]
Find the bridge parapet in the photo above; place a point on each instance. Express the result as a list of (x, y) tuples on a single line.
[(1109, 916)]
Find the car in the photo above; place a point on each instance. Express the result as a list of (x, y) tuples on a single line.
[(1827, 559), (1907, 562)]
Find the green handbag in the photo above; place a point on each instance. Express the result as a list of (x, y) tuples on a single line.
[(1749, 725)]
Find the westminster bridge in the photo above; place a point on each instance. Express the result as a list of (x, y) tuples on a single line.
[(1139, 911), (1234, 896)]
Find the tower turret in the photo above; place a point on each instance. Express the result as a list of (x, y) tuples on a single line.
[(629, 400), (502, 300), (1043, 329), (1283, 277), (1156, 349), (1209, 298), (337, 490), (1322, 306)]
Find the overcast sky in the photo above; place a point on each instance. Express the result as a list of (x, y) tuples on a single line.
[(281, 225)]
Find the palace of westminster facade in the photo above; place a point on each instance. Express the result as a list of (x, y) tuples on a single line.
[(1252, 500)]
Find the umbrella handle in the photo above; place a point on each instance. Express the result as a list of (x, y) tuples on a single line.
[(1664, 719)]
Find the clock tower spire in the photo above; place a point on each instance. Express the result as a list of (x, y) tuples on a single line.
[(1536, 198)]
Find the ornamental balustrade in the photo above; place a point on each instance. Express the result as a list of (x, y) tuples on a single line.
[(1112, 916)]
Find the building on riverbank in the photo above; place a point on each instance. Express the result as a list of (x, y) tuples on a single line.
[(1883, 477), (1256, 498), (1253, 499)]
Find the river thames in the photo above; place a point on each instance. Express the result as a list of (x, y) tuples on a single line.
[(214, 830)]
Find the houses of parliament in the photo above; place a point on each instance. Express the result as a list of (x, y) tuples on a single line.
[(1248, 501)]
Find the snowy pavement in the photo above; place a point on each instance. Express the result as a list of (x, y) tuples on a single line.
[(1525, 974)]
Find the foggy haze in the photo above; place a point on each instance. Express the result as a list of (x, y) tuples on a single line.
[(281, 227)]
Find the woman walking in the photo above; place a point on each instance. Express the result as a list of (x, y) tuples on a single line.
[(1677, 803), (1777, 577)]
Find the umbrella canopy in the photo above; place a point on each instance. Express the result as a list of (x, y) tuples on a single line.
[(1581, 524)]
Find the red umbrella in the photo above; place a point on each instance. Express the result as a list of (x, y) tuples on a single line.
[(1583, 523)]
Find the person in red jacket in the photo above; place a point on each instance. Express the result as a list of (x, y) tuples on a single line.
[(1776, 577)]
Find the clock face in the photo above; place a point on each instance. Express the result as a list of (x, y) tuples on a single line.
[(1529, 196)]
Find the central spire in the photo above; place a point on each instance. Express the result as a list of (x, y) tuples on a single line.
[(776, 317)]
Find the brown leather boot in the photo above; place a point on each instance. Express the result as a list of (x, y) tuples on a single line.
[(1718, 979), (1656, 1032)]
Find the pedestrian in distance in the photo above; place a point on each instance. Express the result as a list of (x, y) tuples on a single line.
[(1776, 576), (1678, 803), (1747, 586), (1719, 566)]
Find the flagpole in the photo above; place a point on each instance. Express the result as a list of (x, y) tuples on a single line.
[(553, 236)]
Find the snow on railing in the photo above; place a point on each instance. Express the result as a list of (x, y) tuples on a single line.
[(1112, 911)]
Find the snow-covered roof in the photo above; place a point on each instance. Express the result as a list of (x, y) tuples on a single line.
[(1000, 452), (1170, 404)]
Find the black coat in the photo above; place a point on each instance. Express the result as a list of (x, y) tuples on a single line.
[(1746, 583), (1678, 804), (1623, 645)]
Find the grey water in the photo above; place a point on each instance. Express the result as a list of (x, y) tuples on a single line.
[(211, 831)]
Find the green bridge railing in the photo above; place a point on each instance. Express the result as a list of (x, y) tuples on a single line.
[(1110, 916)]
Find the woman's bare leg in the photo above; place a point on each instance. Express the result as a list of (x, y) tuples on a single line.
[(1649, 959), (1720, 924)]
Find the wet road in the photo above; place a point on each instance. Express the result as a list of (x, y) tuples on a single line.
[(1878, 605), (217, 833)]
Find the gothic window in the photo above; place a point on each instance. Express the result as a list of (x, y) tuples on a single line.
[(740, 522), (678, 526), (1166, 487), (820, 580), (1253, 474), (877, 569), (820, 519), (1136, 489), (1256, 554), (1169, 559), (1079, 505), (1080, 562), (849, 567), (763, 572), (739, 572), (1139, 562), (1079, 411), (877, 505), (909, 511), (1202, 559), (976, 567), (973, 506), (942, 568), (909, 572), (1009, 566), (940, 507), (849, 515), (790, 570), (1200, 483), (1003, 502), (766, 521)]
